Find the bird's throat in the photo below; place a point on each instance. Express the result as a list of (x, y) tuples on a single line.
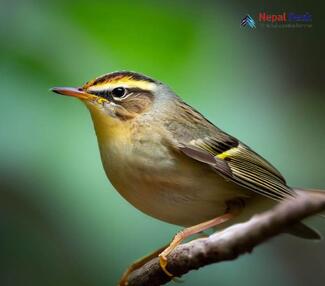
[(109, 130)]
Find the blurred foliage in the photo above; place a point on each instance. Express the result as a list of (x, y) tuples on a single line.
[(61, 221)]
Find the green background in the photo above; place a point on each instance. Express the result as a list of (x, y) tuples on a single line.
[(61, 222)]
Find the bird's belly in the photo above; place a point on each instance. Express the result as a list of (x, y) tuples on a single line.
[(179, 192)]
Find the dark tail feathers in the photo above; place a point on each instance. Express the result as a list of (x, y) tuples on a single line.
[(303, 231)]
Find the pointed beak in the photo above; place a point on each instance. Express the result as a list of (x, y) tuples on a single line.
[(73, 91)]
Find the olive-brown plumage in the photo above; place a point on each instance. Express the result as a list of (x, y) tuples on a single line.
[(170, 162)]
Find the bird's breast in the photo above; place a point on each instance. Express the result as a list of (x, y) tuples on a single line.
[(163, 183)]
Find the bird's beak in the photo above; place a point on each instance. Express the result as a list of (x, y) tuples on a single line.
[(73, 91)]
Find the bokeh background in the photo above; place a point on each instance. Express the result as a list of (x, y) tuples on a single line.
[(61, 222)]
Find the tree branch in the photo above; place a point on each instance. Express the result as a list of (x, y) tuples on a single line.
[(232, 242)]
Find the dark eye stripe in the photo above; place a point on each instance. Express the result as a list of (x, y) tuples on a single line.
[(107, 93), (102, 93)]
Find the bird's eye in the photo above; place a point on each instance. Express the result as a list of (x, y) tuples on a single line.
[(118, 92)]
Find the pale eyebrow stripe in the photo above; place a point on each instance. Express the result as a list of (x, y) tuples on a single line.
[(144, 85)]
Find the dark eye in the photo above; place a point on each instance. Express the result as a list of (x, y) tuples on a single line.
[(118, 91)]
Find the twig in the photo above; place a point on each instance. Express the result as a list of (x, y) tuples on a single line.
[(232, 242)]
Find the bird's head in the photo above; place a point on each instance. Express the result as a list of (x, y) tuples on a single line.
[(120, 101), (121, 96)]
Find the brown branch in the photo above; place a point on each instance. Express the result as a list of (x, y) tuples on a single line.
[(231, 242)]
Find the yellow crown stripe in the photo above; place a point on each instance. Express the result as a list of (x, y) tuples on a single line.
[(123, 82)]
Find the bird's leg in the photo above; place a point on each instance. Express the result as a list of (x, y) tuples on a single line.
[(232, 211), (137, 264), (142, 261)]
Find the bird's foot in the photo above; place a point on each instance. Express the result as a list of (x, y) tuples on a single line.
[(163, 264)]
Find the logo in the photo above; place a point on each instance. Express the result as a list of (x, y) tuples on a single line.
[(278, 20), (248, 21)]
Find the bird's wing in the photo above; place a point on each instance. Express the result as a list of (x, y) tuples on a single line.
[(237, 162), (201, 140)]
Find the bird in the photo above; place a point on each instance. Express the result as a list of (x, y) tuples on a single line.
[(170, 162)]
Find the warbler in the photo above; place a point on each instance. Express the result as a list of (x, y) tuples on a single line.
[(170, 162)]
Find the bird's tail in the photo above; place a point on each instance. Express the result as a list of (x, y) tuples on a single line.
[(303, 231)]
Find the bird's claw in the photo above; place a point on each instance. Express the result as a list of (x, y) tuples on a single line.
[(163, 263)]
